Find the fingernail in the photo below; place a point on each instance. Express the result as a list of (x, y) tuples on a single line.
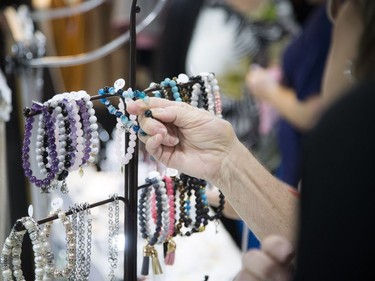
[(174, 140)]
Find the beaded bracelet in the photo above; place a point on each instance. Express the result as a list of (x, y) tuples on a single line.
[(114, 227), (182, 217), (172, 84), (69, 140), (219, 209), (86, 130), (208, 95), (93, 133), (12, 246), (81, 130), (161, 224), (144, 217), (197, 90), (48, 143), (43, 255), (156, 93), (41, 146), (66, 149), (125, 156), (126, 123), (82, 225), (80, 140), (70, 241), (170, 245), (188, 184), (171, 201), (216, 92)]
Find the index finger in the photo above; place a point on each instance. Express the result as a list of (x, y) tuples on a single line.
[(139, 106)]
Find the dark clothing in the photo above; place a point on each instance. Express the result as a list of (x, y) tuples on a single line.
[(303, 67), (338, 193)]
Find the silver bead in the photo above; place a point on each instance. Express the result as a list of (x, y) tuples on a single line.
[(7, 273), (18, 273)]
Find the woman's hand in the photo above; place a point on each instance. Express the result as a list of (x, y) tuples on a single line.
[(262, 83), (273, 262), (183, 137)]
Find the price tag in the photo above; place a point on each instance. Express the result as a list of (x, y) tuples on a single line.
[(57, 203), (170, 172), (5, 99), (182, 78), (30, 211), (119, 84), (153, 174)]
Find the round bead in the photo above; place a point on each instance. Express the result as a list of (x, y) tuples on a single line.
[(7, 273)]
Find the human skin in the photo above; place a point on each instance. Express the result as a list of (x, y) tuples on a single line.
[(202, 145), (302, 114), (348, 29), (272, 262), (199, 144), (261, 264)]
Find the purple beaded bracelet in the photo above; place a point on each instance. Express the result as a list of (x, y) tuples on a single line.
[(52, 159)]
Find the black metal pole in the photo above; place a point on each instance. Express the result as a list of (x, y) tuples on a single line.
[(131, 172)]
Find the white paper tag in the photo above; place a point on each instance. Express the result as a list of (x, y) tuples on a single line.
[(57, 203), (119, 84), (30, 211), (153, 174), (182, 78), (170, 172), (5, 99)]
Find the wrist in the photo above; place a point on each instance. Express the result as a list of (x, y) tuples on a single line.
[(233, 156)]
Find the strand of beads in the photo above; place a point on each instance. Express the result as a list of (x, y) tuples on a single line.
[(161, 223), (216, 92), (43, 254), (94, 135), (126, 122), (61, 145), (80, 140), (71, 245), (65, 135), (85, 114), (201, 204), (68, 141), (197, 91), (170, 245), (114, 227), (12, 247), (82, 225), (174, 88), (185, 87), (209, 97), (121, 127), (86, 130), (48, 145)]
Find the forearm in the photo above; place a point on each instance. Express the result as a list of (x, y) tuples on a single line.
[(266, 204), (301, 114)]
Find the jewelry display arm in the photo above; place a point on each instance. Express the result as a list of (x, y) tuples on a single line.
[(20, 227), (64, 12), (63, 61)]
